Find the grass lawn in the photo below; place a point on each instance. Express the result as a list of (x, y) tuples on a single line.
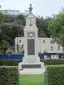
[(31, 79)]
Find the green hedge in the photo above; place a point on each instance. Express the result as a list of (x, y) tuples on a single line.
[(15, 62), (8, 75), (9, 62), (52, 62), (55, 75)]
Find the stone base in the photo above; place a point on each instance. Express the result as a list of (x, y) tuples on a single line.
[(31, 59), (32, 71), (31, 68)]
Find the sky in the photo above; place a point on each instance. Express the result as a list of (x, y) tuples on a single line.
[(40, 7)]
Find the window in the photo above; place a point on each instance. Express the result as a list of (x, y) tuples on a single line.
[(20, 41), (58, 47), (51, 48), (22, 46), (43, 41), (51, 42)]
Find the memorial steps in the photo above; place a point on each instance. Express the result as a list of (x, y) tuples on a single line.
[(32, 71)]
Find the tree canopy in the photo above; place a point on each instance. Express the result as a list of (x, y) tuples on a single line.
[(1, 18), (13, 26), (56, 26)]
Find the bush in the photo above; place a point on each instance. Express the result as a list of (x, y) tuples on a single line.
[(55, 75), (52, 62), (15, 62), (9, 62), (8, 75)]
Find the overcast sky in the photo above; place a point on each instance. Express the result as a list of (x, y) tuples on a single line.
[(40, 7)]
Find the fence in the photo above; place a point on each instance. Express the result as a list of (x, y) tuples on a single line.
[(16, 56), (12, 56)]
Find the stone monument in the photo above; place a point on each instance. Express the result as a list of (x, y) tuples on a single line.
[(31, 62)]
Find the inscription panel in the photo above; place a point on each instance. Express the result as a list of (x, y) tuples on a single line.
[(31, 47), (32, 66)]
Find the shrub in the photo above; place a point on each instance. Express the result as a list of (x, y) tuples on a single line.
[(52, 62), (9, 62), (55, 75), (15, 62), (8, 75)]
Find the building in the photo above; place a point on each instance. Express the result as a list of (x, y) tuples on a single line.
[(10, 12), (44, 45)]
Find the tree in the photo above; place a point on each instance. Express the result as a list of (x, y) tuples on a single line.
[(9, 18), (1, 18), (4, 46), (21, 19), (56, 26), (13, 27), (42, 25), (1, 23)]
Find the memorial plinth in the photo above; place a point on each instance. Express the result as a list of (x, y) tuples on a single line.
[(31, 60)]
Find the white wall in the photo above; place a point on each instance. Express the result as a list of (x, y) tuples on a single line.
[(19, 41)]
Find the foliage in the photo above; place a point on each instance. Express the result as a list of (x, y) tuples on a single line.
[(1, 18), (8, 75), (15, 62), (1, 23), (9, 62), (13, 27), (55, 75), (22, 52), (9, 18), (42, 25), (21, 19), (31, 79), (52, 62), (56, 26), (4, 45), (10, 32)]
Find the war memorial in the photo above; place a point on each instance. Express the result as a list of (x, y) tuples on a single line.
[(31, 62)]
